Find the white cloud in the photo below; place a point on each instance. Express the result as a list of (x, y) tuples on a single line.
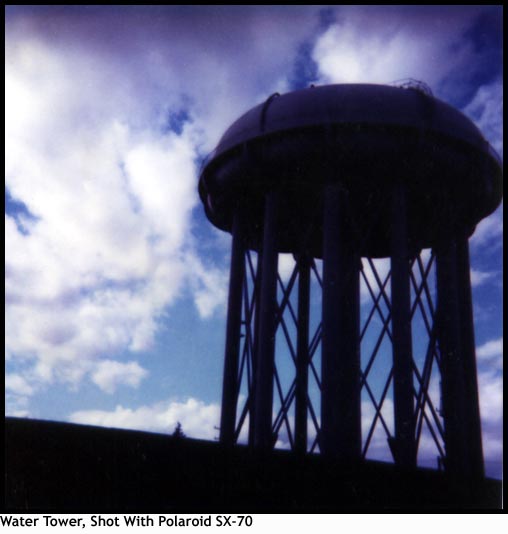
[(197, 418), (17, 384), (490, 384), (491, 353), (486, 110), (480, 277), (109, 374), (110, 247), (488, 231), (349, 51), (161, 177), (18, 392), (382, 267), (112, 188), (209, 286), (491, 348), (286, 266)]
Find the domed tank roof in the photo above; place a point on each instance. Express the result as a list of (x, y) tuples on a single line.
[(365, 137), (350, 104)]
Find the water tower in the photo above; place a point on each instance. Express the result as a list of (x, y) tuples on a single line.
[(339, 176)]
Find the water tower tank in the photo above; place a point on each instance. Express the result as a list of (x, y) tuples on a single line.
[(365, 137)]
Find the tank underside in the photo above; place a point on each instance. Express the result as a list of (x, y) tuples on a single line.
[(447, 179)]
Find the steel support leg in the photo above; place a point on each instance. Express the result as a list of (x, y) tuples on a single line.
[(233, 331), (464, 454), (263, 439), (340, 396), (255, 343), (474, 430), (403, 445), (452, 380), (302, 354)]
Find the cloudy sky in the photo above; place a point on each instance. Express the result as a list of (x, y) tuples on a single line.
[(115, 281)]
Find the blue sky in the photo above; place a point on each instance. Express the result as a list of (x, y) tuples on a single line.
[(115, 281)]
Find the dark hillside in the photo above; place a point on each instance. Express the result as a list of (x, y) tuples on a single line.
[(58, 467)]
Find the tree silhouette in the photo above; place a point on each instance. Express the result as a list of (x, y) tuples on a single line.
[(178, 432)]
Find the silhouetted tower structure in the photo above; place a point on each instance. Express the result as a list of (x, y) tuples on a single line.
[(340, 176)]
